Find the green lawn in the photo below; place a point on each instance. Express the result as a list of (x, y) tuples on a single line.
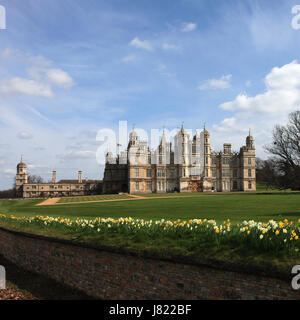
[(237, 207), (94, 198)]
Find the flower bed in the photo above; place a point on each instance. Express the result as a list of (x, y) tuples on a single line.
[(271, 236)]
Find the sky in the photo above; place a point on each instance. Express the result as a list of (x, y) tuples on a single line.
[(70, 68)]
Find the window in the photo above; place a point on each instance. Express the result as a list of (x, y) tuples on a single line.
[(214, 160), (159, 185), (225, 161), (226, 185), (214, 173), (148, 173), (249, 161), (172, 173), (226, 173), (195, 171), (235, 173), (206, 160), (137, 173), (249, 185), (206, 149), (137, 186), (227, 149), (149, 185), (249, 173), (160, 173), (235, 185)]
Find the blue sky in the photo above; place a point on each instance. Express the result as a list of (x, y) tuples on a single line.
[(71, 67)]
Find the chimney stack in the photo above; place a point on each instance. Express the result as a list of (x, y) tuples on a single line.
[(79, 176), (54, 177)]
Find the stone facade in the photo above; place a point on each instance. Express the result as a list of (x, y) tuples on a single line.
[(61, 188), (191, 167)]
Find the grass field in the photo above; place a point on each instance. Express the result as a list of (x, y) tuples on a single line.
[(239, 207)]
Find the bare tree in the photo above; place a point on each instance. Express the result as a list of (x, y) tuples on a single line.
[(267, 173), (35, 179), (286, 153), (259, 163)]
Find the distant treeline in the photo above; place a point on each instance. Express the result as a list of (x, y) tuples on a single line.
[(8, 194)]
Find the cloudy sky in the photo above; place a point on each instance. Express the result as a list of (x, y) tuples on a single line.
[(70, 68)]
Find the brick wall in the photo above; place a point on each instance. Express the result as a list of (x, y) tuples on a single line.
[(108, 274)]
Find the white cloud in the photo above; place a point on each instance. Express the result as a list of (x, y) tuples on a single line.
[(33, 166), (188, 27), (167, 46), (10, 171), (27, 87), (129, 58), (146, 45), (79, 155), (282, 93), (163, 70), (24, 135), (262, 111), (41, 77), (59, 78), (222, 83), (226, 125)]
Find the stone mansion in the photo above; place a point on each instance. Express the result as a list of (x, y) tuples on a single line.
[(62, 188), (188, 166)]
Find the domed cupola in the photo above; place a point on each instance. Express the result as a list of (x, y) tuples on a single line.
[(133, 138), (21, 164), (250, 141)]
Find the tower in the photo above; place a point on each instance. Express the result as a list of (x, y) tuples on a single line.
[(207, 153), (21, 176), (133, 138), (207, 183), (250, 142), (248, 164)]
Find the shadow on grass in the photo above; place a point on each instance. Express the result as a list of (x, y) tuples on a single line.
[(40, 287), (284, 215)]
